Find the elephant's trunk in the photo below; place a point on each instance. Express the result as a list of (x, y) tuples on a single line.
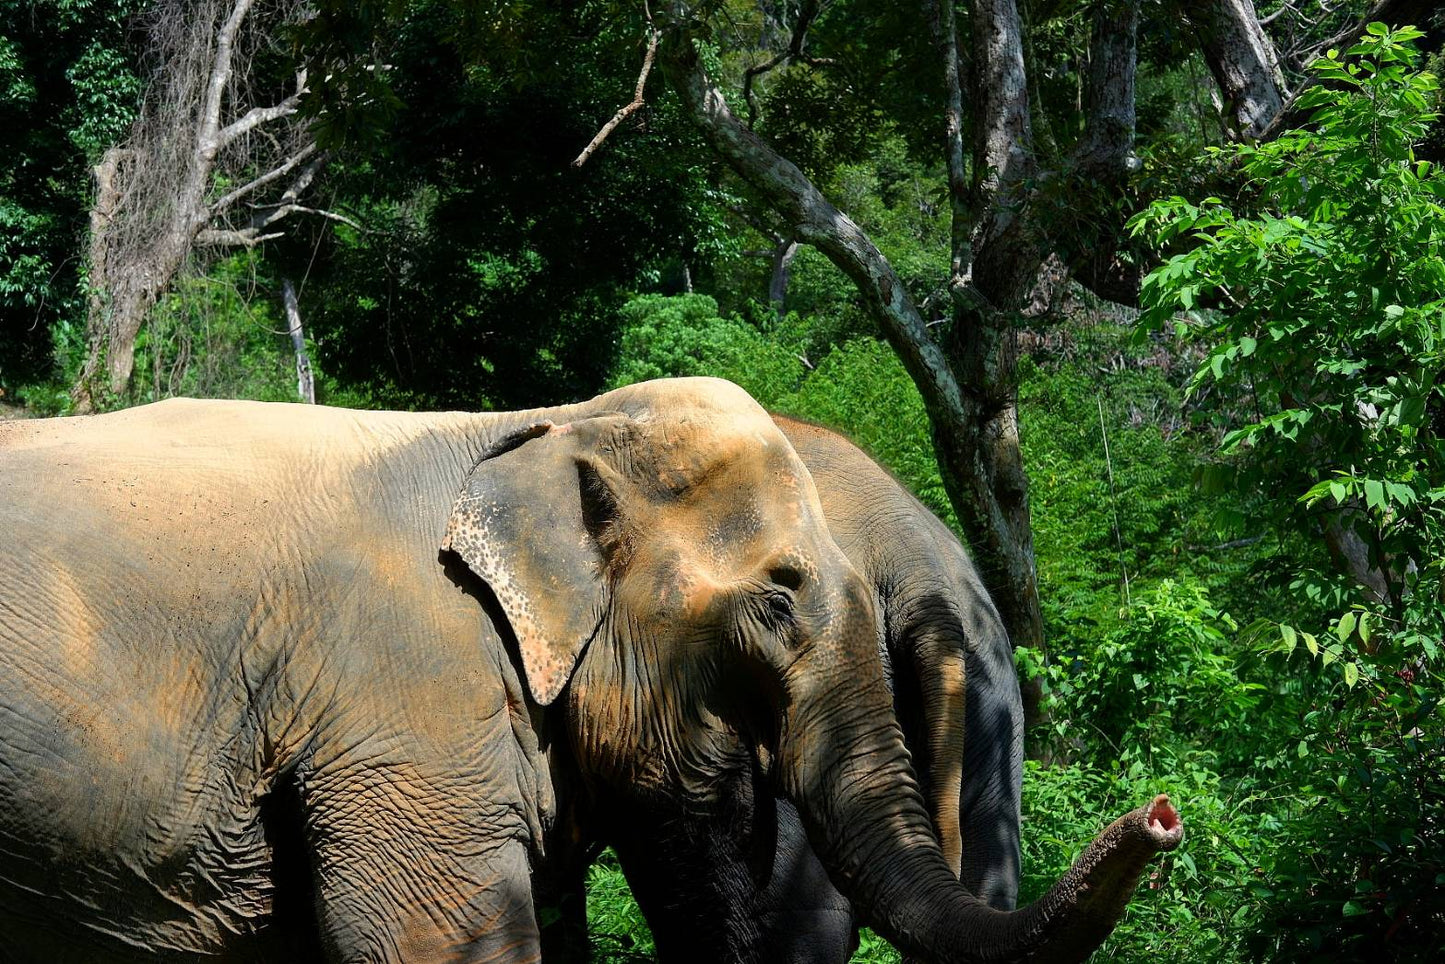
[(843, 761)]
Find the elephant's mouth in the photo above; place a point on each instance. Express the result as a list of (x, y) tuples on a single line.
[(1164, 823)]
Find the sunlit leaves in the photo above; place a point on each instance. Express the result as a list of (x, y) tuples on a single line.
[(1322, 313)]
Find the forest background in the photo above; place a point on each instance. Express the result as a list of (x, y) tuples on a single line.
[(1144, 298)]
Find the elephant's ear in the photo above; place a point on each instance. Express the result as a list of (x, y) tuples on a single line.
[(528, 521)]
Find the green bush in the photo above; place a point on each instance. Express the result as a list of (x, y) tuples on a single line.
[(1324, 318)]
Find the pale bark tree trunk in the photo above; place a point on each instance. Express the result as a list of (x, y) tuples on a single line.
[(1104, 158), (305, 379), (783, 253), (152, 204), (1244, 64)]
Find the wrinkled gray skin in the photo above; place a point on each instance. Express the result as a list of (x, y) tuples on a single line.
[(287, 683), (242, 694), (707, 886)]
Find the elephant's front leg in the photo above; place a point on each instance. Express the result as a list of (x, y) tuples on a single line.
[(409, 870)]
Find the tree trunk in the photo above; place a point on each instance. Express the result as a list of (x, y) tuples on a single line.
[(102, 216), (969, 384), (1243, 62), (305, 380), (783, 255), (152, 201)]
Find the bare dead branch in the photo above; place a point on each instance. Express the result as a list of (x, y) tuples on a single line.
[(1394, 12), (275, 174), (303, 180), (629, 108), (320, 213), (206, 143), (257, 116), (246, 237)]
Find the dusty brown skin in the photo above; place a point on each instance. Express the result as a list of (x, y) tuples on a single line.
[(244, 696)]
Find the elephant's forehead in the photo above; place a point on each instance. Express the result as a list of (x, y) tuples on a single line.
[(703, 397), (734, 518), (696, 453)]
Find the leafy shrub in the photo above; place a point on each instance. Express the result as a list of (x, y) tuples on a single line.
[(1325, 313), (681, 335), (215, 336), (615, 926)]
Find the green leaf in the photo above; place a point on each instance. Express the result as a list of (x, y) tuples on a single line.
[(1312, 644), (1345, 626), (1303, 749), (1411, 411), (1354, 908), (1287, 634), (1352, 674), (1375, 494)]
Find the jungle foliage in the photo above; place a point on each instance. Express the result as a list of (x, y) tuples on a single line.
[(1236, 497)]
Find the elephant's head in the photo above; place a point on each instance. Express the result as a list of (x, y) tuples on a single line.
[(666, 566), (669, 560)]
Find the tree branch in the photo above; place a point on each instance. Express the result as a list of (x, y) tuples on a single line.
[(274, 174), (814, 220), (319, 212), (246, 237), (207, 143), (1395, 12), (265, 215), (626, 110), (1106, 151), (1005, 252), (945, 35), (257, 116), (1244, 65)]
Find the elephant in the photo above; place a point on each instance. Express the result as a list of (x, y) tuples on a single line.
[(281, 682), (949, 663)]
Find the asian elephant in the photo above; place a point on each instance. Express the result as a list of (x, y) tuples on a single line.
[(708, 887), (287, 683)]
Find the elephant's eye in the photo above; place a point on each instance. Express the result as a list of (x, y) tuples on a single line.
[(780, 605)]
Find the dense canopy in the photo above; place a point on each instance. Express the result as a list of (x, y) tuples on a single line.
[(1145, 299)]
